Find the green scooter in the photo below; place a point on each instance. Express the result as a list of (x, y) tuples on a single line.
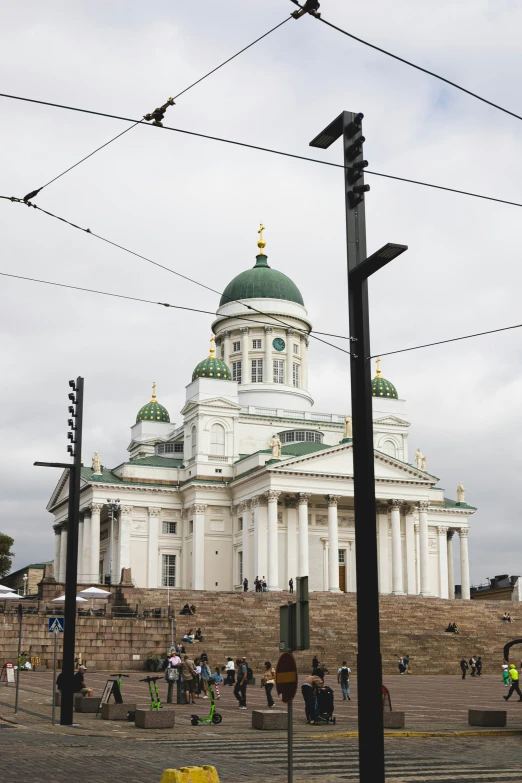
[(213, 717), (155, 703)]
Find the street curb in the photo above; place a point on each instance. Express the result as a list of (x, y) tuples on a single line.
[(463, 733)]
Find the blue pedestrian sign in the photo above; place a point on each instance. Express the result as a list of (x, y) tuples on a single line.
[(56, 624)]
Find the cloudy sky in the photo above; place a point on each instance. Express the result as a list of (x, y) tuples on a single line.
[(195, 205)]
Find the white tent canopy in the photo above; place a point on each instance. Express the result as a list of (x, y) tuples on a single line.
[(11, 597), (61, 599), (5, 589), (94, 592)]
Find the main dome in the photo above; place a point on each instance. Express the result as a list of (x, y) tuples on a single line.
[(261, 282), (153, 411)]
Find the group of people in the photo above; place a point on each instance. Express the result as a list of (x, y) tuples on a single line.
[(507, 618), (188, 609), (193, 636), (196, 675), (403, 664), (452, 628), (474, 665), (260, 585)]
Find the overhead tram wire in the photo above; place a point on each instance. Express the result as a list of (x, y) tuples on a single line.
[(172, 271), (269, 150), (139, 122)]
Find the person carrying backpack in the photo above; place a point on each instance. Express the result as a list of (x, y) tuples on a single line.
[(343, 679)]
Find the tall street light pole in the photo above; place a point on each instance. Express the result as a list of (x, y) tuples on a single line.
[(348, 126)]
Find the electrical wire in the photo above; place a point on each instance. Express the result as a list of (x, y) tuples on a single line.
[(451, 340), (269, 150), (138, 122), (172, 271)]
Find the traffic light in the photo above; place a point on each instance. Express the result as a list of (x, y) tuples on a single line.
[(354, 141)]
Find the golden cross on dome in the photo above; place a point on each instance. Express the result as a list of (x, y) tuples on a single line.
[(378, 365), (261, 244), (212, 348), (153, 392)]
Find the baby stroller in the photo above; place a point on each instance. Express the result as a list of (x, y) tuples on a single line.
[(324, 705)]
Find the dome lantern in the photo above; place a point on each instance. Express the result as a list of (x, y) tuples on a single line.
[(153, 411), (381, 387)]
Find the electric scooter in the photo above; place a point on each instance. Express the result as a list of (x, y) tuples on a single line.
[(119, 676), (155, 703), (213, 717)]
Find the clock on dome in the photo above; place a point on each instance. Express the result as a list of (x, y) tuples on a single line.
[(279, 344)]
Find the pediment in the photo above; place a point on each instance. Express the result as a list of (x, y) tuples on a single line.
[(338, 461), (394, 421), (61, 491), (214, 403)]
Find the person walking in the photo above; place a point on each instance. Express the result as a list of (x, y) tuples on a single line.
[(464, 667), (513, 673), (231, 672), (402, 667), (268, 681), (478, 666), (264, 585), (245, 585), (343, 679), (188, 671), (406, 659), (473, 665), (241, 684), (205, 677), (308, 689), (291, 585), (257, 585)]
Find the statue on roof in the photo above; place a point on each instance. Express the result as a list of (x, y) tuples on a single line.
[(96, 464), (420, 460), (275, 444), (461, 493), (348, 431)]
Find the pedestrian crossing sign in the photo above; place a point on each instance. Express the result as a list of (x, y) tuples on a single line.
[(56, 624)]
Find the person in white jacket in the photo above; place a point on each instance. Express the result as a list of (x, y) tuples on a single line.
[(231, 672)]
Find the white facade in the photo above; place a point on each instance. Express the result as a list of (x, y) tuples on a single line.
[(204, 504)]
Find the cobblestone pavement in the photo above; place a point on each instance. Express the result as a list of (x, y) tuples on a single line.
[(32, 751)]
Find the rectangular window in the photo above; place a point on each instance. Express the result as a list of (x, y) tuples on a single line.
[(279, 371), (296, 349), (342, 554), (296, 374), (256, 344), (257, 371), (236, 347), (236, 372), (240, 567), (168, 570), (169, 528)]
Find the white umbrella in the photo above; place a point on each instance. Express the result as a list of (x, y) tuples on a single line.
[(94, 592), (61, 599), (10, 597), (5, 589)]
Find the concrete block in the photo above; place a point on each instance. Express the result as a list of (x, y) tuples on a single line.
[(269, 720), (393, 720), (117, 711), (155, 719), (57, 698), (487, 717), (86, 703)]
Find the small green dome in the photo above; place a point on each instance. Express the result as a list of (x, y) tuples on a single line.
[(212, 367), (153, 411), (261, 282), (381, 387)]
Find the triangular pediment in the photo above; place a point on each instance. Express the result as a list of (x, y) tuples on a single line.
[(395, 421), (214, 403), (338, 461)]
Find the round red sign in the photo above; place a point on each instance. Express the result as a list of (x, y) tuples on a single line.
[(286, 677)]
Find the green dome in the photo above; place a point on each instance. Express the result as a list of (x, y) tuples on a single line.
[(212, 367), (381, 387), (153, 411), (261, 282)]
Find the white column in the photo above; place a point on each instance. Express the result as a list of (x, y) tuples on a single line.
[(57, 542), (304, 362), (397, 574), (268, 370), (244, 512), (424, 550), (333, 544), (273, 541), (246, 376), (291, 539), (442, 532), (417, 556), (80, 549), (85, 570), (302, 500), (226, 347), (153, 548), (451, 568), (464, 563), (63, 552), (94, 570), (124, 555), (289, 357), (198, 547), (382, 526), (259, 507), (411, 582)]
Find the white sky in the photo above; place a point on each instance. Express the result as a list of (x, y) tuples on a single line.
[(195, 205)]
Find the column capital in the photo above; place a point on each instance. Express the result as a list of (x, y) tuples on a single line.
[(395, 503), (258, 500), (422, 505), (198, 508), (268, 330), (243, 506), (96, 507), (272, 495), (332, 499), (442, 530), (290, 502), (153, 511), (303, 498), (409, 509), (126, 509), (289, 332), (382, 508), (463, 532), (57, 529), (225, 334), (451, 533), (243, 330)]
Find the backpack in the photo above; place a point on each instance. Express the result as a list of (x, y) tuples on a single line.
[(345, 675), (250, 673)]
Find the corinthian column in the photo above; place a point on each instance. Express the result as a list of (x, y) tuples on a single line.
[(382, 527), (80, 549), (442, 531), (95, 542), (397, 576), (302, 499), (273, 543), (153, 547), (451, 569), (464, 563), (124, 558), (291, 538), (333, 544), (268, 374), (198, 547), (57, 545), (289, 358), (424, 550), (411, 582), (84, 564), (63, 552)]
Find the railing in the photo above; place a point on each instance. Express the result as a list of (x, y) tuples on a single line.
[(283, 413)]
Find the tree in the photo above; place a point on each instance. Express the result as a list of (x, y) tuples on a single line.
[(6, 556)]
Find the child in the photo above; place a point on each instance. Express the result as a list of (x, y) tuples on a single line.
[(218, 679)]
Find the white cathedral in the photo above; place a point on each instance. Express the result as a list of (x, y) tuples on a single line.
[(254, 481)]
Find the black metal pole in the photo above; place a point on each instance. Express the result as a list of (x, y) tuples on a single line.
[(71, 570)]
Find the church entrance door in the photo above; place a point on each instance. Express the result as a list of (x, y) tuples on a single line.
[(342, 578)]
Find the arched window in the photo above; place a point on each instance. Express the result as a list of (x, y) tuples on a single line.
[(194, 441), (217, 440), (389, 448)]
